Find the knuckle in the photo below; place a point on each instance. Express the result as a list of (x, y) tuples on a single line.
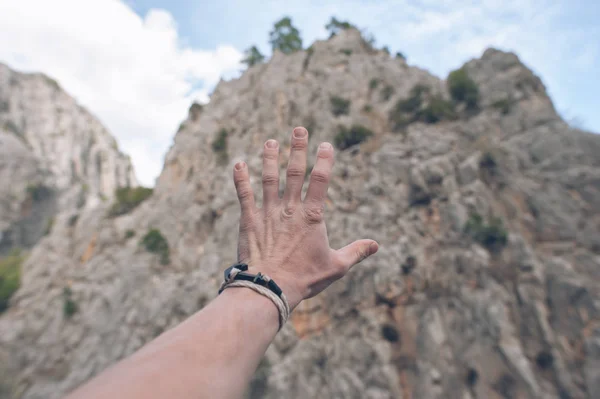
[(244, 193), (320, 176), (270, 179), (299, 144), (314, 215), (295, 172), (288, 211)]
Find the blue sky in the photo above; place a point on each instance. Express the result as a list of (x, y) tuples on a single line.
[(138, 64)]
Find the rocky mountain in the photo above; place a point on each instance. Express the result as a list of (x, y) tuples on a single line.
[(486, 205), (54, 155)]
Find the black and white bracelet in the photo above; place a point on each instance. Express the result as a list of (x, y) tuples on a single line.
[(237, 276)]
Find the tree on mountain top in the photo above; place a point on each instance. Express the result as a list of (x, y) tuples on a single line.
[(335, 26), (285, 37), (252, 56)]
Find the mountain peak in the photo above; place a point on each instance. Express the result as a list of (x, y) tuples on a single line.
[(502, 75), (68, 154)]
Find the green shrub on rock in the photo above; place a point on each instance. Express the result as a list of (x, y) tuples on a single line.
[(128, 198), (38, 192), (347, 137), (462, 88), (339, 106), (406, 109), (69, 305), (420, 106), (49, 226), (437, 110), (504, 105), (10, 277), (387, 92), (491, 235), (415, 100), (219, 146), (156, 243)]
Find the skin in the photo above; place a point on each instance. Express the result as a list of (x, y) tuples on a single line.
[(214, 353)]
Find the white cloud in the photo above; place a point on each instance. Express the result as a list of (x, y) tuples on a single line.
[(131, 72)]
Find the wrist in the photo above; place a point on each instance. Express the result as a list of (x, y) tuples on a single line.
[(253, 305), (292, 292)]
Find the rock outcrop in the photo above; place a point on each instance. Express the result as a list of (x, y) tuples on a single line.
[(486, 285), (54, 155)]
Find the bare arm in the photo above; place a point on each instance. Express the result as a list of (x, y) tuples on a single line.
[(215, 352)]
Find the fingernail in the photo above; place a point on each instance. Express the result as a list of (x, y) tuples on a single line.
[(373, 248), (239, 166), (325, 146), (300, 132), (271, 144)]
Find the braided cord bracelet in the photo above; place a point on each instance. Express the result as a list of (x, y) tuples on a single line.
[(235, 276)]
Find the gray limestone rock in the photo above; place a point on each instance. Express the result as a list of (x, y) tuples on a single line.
[(54, 155)]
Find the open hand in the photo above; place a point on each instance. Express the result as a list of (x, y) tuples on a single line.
[(286, 239)]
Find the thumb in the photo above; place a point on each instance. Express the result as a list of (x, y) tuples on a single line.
[(356, 252)]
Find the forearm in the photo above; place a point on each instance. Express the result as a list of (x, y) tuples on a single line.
[(212, 354)]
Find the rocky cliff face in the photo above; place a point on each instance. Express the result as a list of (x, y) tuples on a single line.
[(54, 155), (487, 280)]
